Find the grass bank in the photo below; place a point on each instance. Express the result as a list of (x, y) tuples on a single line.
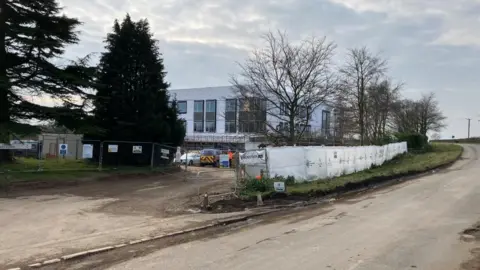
[(408, 164)]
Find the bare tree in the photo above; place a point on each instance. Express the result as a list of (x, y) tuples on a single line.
[(406, 116), (431, 117), (419, 116), (287, 81), (380, 99), (361, 70)]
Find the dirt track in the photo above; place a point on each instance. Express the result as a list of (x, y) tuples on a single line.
[(39, 224)]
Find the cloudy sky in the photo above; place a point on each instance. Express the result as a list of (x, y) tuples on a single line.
[(431, 46)]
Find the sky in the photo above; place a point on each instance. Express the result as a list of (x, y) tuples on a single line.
[(431, 46)]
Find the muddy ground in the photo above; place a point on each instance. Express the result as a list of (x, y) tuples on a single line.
[(472, 234), (42, 223)]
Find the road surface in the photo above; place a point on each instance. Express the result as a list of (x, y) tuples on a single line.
[(414, 225)]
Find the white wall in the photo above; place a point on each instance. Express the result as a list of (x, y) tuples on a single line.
[(221, 94), (316, 162)]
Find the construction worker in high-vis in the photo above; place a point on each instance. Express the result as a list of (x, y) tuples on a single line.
[(230, 158)]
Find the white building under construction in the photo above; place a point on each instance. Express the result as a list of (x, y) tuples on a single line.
[(216, 118)]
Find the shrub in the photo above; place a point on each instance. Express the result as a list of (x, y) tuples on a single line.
[(414, 141), (290, 181), (258, 185)]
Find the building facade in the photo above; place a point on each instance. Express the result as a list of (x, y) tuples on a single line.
[(215, 117)]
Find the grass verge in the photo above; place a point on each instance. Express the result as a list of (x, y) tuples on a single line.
[(408, 164), (58, 170)]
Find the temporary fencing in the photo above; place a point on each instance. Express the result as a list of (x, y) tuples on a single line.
[(58, 152), (316, 162)]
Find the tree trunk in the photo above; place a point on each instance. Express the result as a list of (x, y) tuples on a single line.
[(5, 155)]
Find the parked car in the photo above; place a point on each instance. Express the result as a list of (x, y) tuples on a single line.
[(190, 158)]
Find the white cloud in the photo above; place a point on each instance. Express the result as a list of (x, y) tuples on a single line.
[(459, 19)]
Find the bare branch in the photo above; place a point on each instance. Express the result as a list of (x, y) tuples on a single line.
[(293, 80)]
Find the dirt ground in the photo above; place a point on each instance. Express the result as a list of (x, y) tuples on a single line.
[(37, 224), (472, 234)]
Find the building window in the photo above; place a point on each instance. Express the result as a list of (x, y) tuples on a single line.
[(302, 112), (283, 108), (253, 115), (210, 126), (230, 116), (198, 106), (325, 121), (230, 126), (231, 105), (211, 116), (182, 107), (198, 116), (198, 126), (211, 106)]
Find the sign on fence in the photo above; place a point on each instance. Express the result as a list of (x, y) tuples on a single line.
[(165, 153), (87, 151), (5, 146), (137, 149), (279, 186), (253, 157), (113, 148), (224, 161), (63, 149)]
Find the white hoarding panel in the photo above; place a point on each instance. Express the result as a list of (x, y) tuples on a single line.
[(287, 161), (316, 163)]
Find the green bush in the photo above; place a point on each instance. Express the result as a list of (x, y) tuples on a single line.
[(258, 185), (414, 141), (266, 184)]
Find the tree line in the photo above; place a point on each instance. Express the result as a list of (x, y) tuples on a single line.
[(124, 97), (296, 78)]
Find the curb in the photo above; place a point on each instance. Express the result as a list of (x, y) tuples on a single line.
[(82, 254)]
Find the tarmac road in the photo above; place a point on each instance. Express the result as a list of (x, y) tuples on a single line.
[(414, 225)]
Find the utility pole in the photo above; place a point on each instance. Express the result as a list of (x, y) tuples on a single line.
[(468, 119)]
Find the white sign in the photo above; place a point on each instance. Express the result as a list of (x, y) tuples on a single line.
[(5, 146), (253, 157), (112, 148), (279, 186), (137, 149), (165, 153), (87, 151), (224, 161), (63, 148)]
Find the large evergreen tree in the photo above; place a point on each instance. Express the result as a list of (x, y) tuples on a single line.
[(33, 35), (132, 102)]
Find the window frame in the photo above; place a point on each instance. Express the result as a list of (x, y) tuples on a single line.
[(195, 106), (211, 101), (214, 130), (186, 106), (195, 126)]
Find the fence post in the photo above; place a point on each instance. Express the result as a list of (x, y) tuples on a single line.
[(267, 169), (76, 149), (151, 157), (185, 175), (237, 170), (100, 157)]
